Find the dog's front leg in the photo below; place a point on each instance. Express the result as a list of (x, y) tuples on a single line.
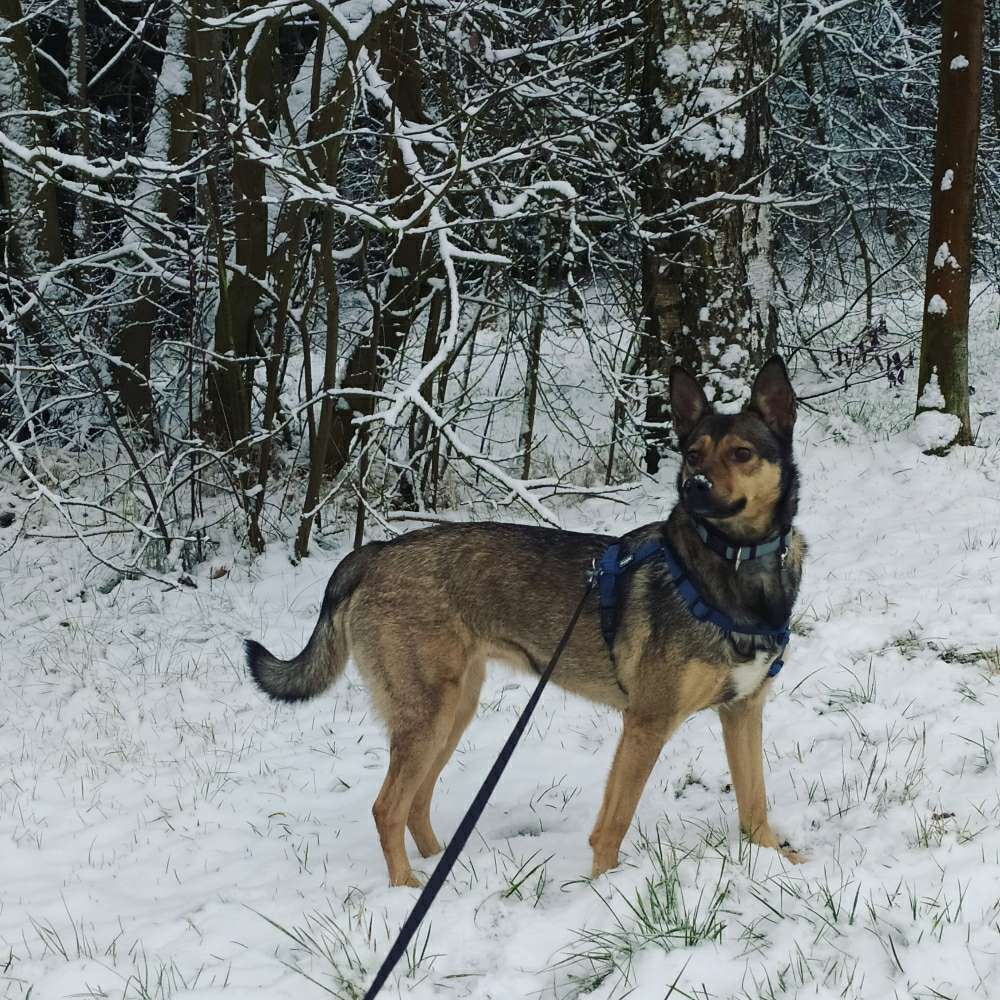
[(640, 745), (743, 734)]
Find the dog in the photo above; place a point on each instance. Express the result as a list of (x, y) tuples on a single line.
[(421, 616)]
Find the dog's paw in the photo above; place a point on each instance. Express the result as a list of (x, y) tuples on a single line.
[(429, 848), (765, 837), (603, 864), (409, 881), (791, 855)]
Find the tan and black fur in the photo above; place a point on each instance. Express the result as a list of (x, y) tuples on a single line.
[(423, 614)]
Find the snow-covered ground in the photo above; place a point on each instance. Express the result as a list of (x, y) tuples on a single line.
[(165, 831)]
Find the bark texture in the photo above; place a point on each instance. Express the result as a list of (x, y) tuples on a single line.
[(405, 285), (34, 238), (706, 270), (236, 339), (944, 345), (170, 136)]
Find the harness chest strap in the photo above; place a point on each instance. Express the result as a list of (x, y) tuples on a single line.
[(613, 566)]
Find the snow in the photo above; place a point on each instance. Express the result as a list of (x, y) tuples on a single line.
[(713, 132), (959, 62), (165, 831), (561, 189), (175, 76), (675, 61), (355, 16), (947, 179), (931, 398), (937, 306), (933, 429), (943, 256), (707, 125), (701, 61), (732, 356)]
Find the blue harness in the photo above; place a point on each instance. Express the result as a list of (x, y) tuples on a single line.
[(613, 566)]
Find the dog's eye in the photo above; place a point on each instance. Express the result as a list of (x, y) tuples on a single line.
[(742, 454), (692, 456)]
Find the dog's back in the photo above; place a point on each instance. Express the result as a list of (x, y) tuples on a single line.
[(494, 590)]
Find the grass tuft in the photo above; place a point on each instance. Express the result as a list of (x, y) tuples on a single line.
[(659, 914)]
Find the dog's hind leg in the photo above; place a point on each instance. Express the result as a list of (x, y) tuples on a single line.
[(640, 745), (743, 734), (419, 820), (424, 706)]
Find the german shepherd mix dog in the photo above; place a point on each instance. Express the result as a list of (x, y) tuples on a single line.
[(422, 614)]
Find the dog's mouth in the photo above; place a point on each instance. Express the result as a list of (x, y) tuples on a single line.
[(706, 506), (699, 498)]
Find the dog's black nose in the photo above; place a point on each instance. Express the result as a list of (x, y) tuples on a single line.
[(697, 486)]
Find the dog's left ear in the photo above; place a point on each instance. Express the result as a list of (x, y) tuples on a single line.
[(773, 398)]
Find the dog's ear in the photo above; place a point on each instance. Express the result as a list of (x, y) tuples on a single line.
[(688, 402), (773, 398)]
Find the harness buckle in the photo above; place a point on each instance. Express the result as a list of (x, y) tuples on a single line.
[(738, 559)]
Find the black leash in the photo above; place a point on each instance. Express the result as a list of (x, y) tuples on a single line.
[(471, 817)]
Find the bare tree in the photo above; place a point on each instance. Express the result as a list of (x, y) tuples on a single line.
[(378, 257), (29, 200), (170, 135), (707, 271), (944, 348)]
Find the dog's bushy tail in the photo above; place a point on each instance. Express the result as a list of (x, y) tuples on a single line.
[(325, 656)]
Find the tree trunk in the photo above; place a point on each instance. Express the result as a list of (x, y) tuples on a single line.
[(231, 379), (80, 100), (169, 136), (400, 66), (944, 345), (282, 266), (707, 270), (533, 356), (332, 90), (317, 460), (995, 66), (34, 240)]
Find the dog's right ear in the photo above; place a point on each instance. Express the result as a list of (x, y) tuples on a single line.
[(688, 402), (773, 398)]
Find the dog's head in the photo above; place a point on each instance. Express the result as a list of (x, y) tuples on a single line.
[(737, 470)]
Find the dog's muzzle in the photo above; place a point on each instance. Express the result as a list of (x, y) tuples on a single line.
[(697, 488), (699, 499)]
